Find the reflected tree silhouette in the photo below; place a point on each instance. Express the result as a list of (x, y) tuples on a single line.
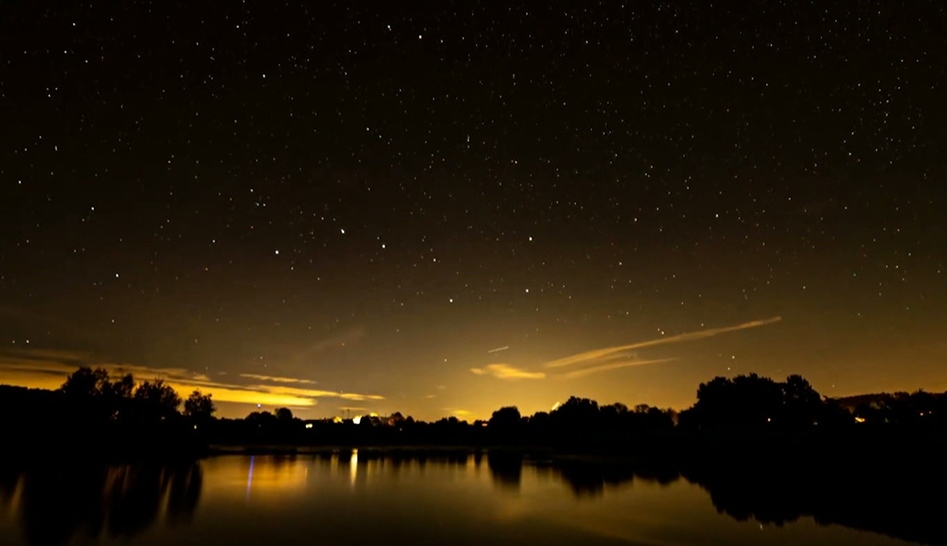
[(135, 499), (80, 501), (184, 494), (84, 502), (590, 478), (8, 482), (506, 468), (56, 507), (894, 498)]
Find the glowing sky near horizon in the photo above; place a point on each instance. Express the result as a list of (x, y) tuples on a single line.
[(439, 211)]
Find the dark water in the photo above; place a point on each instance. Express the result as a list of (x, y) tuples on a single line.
[(368, 498)]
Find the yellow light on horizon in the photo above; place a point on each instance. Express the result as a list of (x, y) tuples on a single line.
[(357, 419)]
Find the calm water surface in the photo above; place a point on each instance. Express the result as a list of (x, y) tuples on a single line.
[(345, 498)]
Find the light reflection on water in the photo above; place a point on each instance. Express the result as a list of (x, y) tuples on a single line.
[(371, 498)]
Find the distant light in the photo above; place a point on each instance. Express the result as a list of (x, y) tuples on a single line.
[(357, 419), (308, 425), (195, 427), (859, 419), (259, 406), (556, 405)]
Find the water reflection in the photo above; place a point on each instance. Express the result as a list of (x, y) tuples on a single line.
[(353, 466), (891, 502), (56, 505), (506, 469), (61, 504)]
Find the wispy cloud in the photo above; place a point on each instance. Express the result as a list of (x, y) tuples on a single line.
[(313, 393), (342, 339), (614, 366), (598, 355), (458, 412), (505, 371), (273, 379), (40, 368)]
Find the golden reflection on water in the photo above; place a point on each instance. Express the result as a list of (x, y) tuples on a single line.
[(353, 467), (264, 475), (499, 496)]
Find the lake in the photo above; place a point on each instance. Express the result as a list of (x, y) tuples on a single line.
[(367, 497)]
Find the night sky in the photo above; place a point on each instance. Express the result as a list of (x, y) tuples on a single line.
[(440, 208)]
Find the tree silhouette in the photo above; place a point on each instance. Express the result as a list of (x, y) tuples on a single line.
[(157, 400), (505, 422), (576, 415), (86, 383), (746, 400), (95, 396), (122, 388), (802, 404), (506, 417), (284, 414), (198, 406)]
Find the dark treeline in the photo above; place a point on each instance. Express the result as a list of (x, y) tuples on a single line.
[(95, 414), (93, 411), (728, 413)]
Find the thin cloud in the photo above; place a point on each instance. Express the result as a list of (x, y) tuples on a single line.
[(313, 393), (273, 379), (505, 371), (48, 369), (42, 357), (343, 339), (615, 366), (598, 354), (458, 412)]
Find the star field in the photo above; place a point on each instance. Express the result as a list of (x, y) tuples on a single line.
[(374, 196)]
